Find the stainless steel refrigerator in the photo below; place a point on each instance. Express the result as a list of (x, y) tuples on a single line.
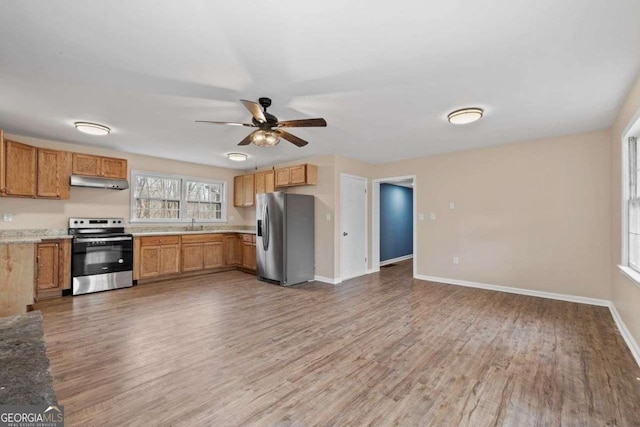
[(285, 238)]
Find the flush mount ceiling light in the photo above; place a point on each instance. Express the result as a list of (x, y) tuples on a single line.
[(92, 128), (266, 138), (465, 116), (237, 157)]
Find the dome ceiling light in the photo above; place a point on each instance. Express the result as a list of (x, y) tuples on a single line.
[(92, 128), (465, 116), (237, 157)]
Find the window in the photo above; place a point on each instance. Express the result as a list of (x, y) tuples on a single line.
[(171, 198), (633, 207)]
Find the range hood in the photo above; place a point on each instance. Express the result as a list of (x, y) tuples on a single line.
[(88, 181)]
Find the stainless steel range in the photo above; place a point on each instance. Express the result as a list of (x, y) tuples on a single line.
[(102, 255)]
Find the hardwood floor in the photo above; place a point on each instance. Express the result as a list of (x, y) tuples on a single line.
[(383, 349)]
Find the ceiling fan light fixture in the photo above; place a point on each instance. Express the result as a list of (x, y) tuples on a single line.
[(465, 116), (266, 138), (237, 157), (92, 128)]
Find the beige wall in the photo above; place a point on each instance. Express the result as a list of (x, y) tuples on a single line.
[(528, 215), (624, 293), (91, 202)]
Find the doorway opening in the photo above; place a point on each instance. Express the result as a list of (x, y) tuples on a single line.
[(393, 230)]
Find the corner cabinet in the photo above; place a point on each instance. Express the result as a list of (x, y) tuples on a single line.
[(27, 171), (99, 166)]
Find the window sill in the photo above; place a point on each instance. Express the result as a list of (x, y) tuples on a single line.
[(631, 274)]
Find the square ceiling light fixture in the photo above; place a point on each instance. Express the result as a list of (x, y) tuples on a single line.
[(92, 128), (266, 138), (465, 116)]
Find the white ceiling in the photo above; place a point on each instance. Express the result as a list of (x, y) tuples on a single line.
[(383, 74)]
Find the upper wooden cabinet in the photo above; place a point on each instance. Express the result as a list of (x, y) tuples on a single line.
[(296, 175), (243, 190), (264, 182), (27, 171), (105, 167)]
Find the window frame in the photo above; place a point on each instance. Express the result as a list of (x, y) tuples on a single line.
[(632, 131), (182, 212)]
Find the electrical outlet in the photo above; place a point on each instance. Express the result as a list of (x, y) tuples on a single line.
[(432, 216), (452, 205), (456, 260), (7, 217)]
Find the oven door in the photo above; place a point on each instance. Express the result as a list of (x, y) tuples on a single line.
[(100, 255)]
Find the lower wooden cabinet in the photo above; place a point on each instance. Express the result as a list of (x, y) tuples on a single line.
[(53, 268), (156, 256), (248, 251), (232, 250)]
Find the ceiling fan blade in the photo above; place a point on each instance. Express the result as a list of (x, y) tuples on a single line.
[(255, 110), (227, 123), (248, 139), (292, 138), (303, 123)]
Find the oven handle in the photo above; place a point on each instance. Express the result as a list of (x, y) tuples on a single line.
[(101, 239)]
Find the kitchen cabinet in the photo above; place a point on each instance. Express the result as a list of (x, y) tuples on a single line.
[(17, 274), (232, 250), (54, 169), (290, 176), (156, 256), (243, 190), (202, 252), (248, 251), (19, 169), (104, 167), (28, 171), (53, 268), (264, 182)]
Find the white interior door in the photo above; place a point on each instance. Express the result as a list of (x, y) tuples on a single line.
[(353, 220)]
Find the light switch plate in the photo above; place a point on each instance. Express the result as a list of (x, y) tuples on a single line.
[(452, 205), (456, 260), (432, 216), (7, 217), (421, 217), (328, 217)]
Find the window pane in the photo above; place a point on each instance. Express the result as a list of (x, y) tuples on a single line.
[(204, 191), (157, 187)]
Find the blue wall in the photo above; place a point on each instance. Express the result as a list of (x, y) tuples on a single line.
[(396, 221)]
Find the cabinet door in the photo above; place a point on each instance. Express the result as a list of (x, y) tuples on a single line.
[(264, 182), (192, 256), (169, 259), (238, 191), (247, 190), (86, 164), (213, 255), (232, 251), (282, 177), (149, 261), (54, 168), (113, 168), (249, 255), (47, 266), (297, 174), (20, 169)]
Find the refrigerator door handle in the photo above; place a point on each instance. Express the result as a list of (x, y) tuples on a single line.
[(265, 228)]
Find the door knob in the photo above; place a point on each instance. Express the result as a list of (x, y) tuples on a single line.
[(344, 233)]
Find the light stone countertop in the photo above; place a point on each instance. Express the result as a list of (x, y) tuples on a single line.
[(17, 240), (177, 233)]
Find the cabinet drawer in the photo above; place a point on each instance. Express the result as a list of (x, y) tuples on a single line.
[(201, 238), (248, 238), (159, 240)]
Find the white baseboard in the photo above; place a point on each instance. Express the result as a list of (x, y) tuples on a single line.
[(530, 292), (327, 280), (372, 270), (626, 335), (400, 258)]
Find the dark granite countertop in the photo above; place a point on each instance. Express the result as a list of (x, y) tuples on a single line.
[(25, 377)]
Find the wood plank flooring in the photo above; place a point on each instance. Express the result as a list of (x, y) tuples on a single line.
[(383, 349)]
